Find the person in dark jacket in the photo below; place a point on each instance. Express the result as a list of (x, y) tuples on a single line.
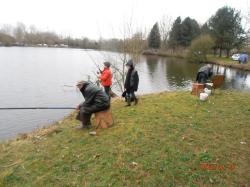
[(204, 74), (96, 100), (131, 83)]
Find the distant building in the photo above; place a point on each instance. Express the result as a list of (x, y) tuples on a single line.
[(63, 45)]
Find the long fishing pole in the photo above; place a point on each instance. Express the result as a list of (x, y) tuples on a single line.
[(35, 108), (98, 67), (67, 85)]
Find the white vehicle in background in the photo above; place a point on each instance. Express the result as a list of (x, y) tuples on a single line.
[(236, 57)]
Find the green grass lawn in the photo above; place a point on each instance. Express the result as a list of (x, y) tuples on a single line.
[(168, 139), (223, 59)]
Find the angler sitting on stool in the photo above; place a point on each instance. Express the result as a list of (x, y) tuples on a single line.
[(96, 100)]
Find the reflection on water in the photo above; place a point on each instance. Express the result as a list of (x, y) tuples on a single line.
[(235, 79), (165, 74), (35, 77), (177, 74)]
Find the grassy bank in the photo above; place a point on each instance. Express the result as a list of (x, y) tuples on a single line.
[(168, 139), (227, 62), (223, 61)]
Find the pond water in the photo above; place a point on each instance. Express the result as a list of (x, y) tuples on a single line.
[(42, 77)]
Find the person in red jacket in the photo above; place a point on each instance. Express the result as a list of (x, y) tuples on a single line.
[(106, 78)]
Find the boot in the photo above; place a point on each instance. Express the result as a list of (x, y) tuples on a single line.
[(128, 101), (83, 126), (136, 101), (86, 124), (86, 121)]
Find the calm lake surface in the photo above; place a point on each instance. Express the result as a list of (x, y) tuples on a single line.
[(32, 77)]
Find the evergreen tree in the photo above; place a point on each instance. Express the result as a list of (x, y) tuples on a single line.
[(154, 38), (226, 28), (205, 29), (183, 32), (189, 30), (175, 33)]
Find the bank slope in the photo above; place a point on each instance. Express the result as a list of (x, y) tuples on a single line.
[(168, 139)]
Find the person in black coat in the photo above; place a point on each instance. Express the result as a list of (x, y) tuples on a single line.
[(131, 83), (96, 100), (204, 73)]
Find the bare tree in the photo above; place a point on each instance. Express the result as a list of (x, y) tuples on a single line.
[(31, 35), (133, 45), (19, 32), (6, 39), (7, 29), (165, 25)]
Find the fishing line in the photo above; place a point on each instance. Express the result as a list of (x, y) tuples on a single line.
[(35, 108)]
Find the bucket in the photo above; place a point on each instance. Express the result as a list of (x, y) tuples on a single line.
[(203, 96), (197, 89), (207, 91)]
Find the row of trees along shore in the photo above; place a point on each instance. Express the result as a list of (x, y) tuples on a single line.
[(220, 35), (21, 35)]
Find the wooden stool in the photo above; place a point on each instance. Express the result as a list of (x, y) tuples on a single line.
[(197, 89), (218, 81), (104, 119)]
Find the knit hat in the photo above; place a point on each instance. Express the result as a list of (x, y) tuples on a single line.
[(130, 63), (209, 66), (107, 64), (80, 84)]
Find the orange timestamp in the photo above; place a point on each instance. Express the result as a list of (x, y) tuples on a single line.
[(218, 167)]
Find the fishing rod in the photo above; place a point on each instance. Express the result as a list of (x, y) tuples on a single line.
[(35, 108), (98, 67), (68, 85)]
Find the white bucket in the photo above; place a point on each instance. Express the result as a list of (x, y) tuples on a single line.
[(207, 91), (203, 96)]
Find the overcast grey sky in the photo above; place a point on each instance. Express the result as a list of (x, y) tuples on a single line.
[(105, 18)]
